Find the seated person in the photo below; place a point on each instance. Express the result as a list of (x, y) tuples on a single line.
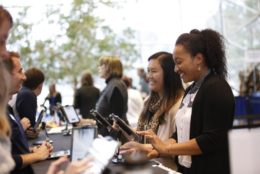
[(21, 153), (26, 101)]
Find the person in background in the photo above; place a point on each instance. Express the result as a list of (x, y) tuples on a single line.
[(252, 82), (113, 98), (6, 160), (26, 101), (160, 107), (54, 97), (143, 82), (207, 110), (6, 23), (86, 96), (134, 104), (21, 153)]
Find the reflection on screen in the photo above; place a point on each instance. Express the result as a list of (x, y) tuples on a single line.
[(82, 140), (102, 150), (71, 114)]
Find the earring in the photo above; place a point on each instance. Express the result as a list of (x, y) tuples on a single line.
[(199, 68)]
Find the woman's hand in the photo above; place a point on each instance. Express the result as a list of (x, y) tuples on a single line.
[(130, 147), (25, 123), (157, 143), (134, 152), (115, 126)]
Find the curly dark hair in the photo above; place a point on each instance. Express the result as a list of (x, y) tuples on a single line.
[(210, 44)]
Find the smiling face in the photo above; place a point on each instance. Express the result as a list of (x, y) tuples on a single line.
[(185, 65), (155, 76), (17, 76)]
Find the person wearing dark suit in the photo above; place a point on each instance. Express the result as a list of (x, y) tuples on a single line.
[(20, 145), (86, 96), (22, 154), (207, 109)]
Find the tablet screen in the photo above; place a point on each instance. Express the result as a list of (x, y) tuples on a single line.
[(82, 139), (131, 135), (71, 114)]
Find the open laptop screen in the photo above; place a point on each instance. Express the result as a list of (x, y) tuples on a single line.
[(82, 139)]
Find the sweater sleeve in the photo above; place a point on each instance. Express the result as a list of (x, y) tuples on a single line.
[(116, 102), (18, 161), (217, 116)]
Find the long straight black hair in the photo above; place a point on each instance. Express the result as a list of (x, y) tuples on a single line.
[(172, 86)]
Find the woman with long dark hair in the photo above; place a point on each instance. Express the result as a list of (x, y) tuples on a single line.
[(207, 109), (166, 90), (161, 105)]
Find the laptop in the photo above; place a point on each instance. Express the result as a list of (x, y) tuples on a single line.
[(82, 138), (85, 143)]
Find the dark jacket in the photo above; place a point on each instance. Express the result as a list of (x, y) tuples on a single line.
[(85, 99), (26, 104), (113, 99), (19, 144), (212, 116)]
